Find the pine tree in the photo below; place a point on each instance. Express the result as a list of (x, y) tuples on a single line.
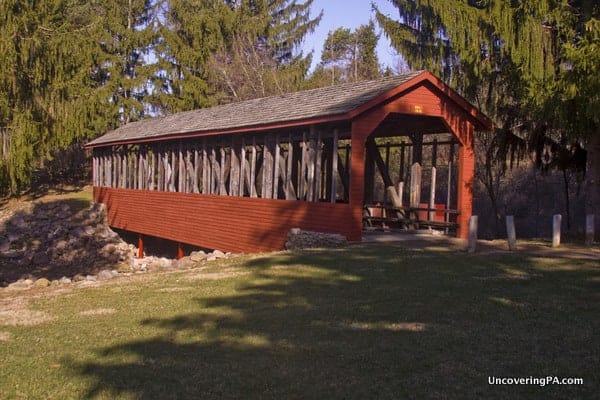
[(70, 69), (190, 32), (348, 56), (514, 59)]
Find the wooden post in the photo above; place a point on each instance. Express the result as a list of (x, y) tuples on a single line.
[(253, 169), (267, 167), (510, 233), (289, 185), (334, 166), (417, 149), (402, 149), (123, 174), (180, 170), (401, 192), (556, 222), (109, 174), (277, 156), (234, 174), (415, 185), (180, 254), (222, 188), (312, 154), (318, 166), (160, 168), (153, 173), (140, 246), (589, 229), (205, 168), (431, 213), (472, 234), (196, 176), (243, 168), (434, 153), (172, 169), (303, 163)]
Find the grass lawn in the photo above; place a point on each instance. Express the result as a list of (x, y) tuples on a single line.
[(376, 322)]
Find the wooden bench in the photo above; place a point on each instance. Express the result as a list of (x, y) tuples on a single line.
[(383, 216)]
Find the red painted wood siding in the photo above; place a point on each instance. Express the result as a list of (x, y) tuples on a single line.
[(236, 224), (422, 99)]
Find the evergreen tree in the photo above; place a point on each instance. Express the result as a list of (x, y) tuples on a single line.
[(124, 35), (348, 56), (514, 59), (190, 32), (70, 69)]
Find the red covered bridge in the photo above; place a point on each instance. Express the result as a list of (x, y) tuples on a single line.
[(237, 177)]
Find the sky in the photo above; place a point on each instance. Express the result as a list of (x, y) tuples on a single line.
[(349, 14)]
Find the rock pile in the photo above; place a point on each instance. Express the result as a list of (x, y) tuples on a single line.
[(53, 236), (298, 239), (51, 244)]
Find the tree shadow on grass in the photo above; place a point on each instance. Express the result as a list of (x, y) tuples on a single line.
[(377, 322)]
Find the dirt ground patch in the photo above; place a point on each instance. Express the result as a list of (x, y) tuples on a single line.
[(411, 240)]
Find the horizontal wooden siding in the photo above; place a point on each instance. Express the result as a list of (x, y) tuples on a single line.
[(236, 224)]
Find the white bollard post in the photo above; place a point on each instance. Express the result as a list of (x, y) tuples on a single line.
[(556, 222), (510, 233), (472, 233)]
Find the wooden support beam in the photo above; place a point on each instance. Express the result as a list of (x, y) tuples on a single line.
[(415, 185), (222, 165), (303, 167), (402, 161), (277, 157), (267, 168), (205, 169), (253, 171), (109, 174), (289, 186), (375, 155), (334, 166), (190, 171), (417, 153), (311, 165), (196, 186), (318, 166), (140, 253), (181, 169), (123, 162), (344, 178), (148, 162), (216, 172), (243, 167), (161, 168), (173, 171), (234, 174), (434, 151), (431, 213)]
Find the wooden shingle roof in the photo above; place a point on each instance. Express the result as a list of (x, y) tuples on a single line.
[(326, 104), (298, 106)]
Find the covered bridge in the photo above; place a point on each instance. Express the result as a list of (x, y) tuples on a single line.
[(238, 177)]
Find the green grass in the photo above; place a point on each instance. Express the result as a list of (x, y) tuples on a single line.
[(359, 323)]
